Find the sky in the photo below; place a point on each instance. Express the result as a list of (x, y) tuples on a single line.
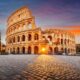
[(64, 14)]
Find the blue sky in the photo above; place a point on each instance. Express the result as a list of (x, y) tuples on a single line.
[(50, 13)]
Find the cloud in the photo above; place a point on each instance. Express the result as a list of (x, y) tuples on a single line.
[(62, 13)]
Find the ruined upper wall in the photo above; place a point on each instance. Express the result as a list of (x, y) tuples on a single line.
[(18, 15), (59, 32)]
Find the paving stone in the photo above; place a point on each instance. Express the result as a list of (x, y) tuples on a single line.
[(39, 67), (52, 69)]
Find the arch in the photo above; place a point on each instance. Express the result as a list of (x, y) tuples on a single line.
[(18, 38), (24, 25), (58, 41), (14, 40), (50, 50), (68, 41), (36, 37), (65, 41), (65, 50), (62, 50), (29, 37), (36, 49), (29, 50), (23, 37), (71, 50), (13, 50), (56, 50), (61, 41), (43, 36), (10, 50), (18, 50), (68, 50), (61, 35), (11, 40), (50, 38), (23, 50)]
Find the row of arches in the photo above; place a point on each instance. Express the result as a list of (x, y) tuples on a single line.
[(56, 50), (17, 27), (23, 38), (62, 50), (13, 40), (58, 40), (22, 50)]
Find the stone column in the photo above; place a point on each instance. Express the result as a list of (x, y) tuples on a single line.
[(32, 49)]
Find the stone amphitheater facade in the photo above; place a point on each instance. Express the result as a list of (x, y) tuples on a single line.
[(24, 37)]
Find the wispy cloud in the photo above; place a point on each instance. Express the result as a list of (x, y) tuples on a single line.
[(62, 13)]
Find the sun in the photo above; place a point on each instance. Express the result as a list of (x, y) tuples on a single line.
[(43, 50)]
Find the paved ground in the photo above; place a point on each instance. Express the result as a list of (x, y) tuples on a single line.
[(39, 67)]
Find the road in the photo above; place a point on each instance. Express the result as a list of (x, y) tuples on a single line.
[(39, 67)]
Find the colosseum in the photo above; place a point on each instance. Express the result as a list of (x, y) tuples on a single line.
[(24, 37)]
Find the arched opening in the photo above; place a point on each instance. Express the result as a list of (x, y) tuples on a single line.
[(61, 41), (50, 50), (23, 50), (61, 35), (13, 51), (65, 41), (68, 41), (24, 25), (29, 37), (65, 50), (14, 40), (68, 50), (58, 41), (56, 50), (23, 37), (62, 50), (71, 50), (18, 38), (36, 50), (36, 37), (18, 50), (11, 40), (43, 37), (50, 38), (29, 50)]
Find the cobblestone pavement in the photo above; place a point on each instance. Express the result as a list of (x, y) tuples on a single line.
[(47, 67), (12, 65), (42, 67)]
